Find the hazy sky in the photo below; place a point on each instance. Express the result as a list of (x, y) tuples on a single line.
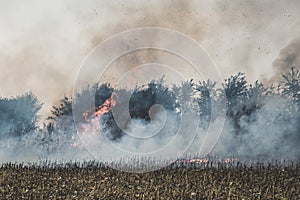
[(43, 43)]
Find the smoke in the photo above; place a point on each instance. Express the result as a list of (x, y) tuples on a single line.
[(288, 57), (267, 134), (271, 132), (42, 51), (43, 44)]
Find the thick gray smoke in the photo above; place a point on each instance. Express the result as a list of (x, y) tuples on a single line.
[(265, 141), (289, 57)]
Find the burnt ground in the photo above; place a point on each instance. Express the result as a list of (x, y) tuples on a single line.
[(222, 182)]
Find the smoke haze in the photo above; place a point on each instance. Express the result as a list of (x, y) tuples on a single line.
[(288, 57), (42, 44)]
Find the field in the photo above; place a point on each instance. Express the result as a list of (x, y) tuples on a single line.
[(225, 181)]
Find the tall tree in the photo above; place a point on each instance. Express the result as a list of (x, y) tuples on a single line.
[(19, 115), (290, 87), (291, 84), (207, 93), (155, 93), (185, 96), (235, 89)]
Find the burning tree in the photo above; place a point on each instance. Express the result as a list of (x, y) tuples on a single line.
[(254, 113), (140, 101), (101, 119), (62, 124)]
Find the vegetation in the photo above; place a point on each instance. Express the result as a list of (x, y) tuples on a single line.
[(18, 115), (230, 181), (246, 105)]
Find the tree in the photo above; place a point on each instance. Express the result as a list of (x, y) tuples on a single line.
[(103, 92), (57, 133), (207, 93), (291, 85), (92, 93), (62, 117), (185, 96), (143, 98), (18, 115), (235, 89), (255, 96), (64, 109)]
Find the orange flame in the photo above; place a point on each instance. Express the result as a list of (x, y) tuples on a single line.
[(198, 160), (105, 107), (92, 126)]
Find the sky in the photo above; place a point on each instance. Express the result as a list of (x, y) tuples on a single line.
[(43, 43)]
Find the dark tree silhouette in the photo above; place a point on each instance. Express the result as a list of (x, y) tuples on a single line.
[(143, 98), (103, 92), (291, 84), (64, 109), (61, 120), (235, 89)]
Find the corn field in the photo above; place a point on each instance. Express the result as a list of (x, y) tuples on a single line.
[(92, 180)]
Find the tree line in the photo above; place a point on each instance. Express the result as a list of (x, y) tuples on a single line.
[(19, 115)]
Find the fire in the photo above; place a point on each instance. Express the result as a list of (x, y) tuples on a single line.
[(228, 160), (85, 115), (92, 122), (105, 107), (206, 160), (198, 160)]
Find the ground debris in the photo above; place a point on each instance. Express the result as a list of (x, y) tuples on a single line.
[(105, 183)]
